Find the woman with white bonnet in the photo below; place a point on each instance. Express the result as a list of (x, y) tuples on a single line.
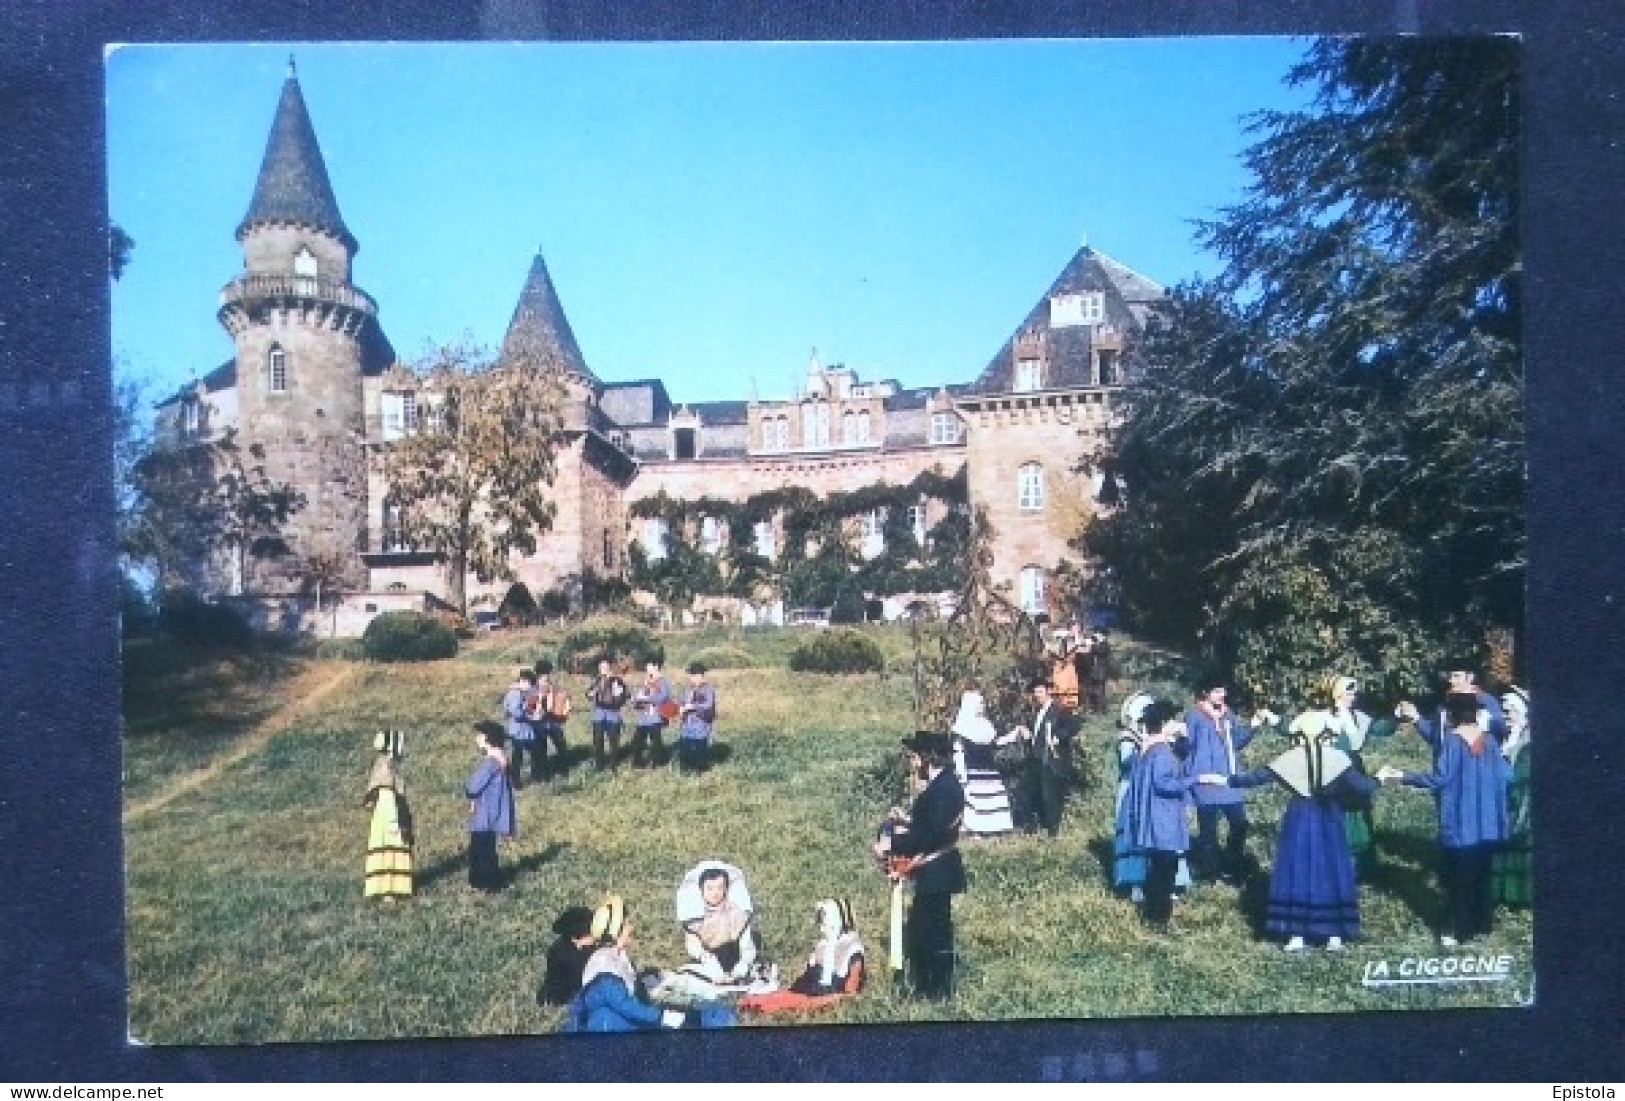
[(987, 801), (1509, 875)]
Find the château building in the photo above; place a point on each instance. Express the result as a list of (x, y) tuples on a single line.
[(314, 384)]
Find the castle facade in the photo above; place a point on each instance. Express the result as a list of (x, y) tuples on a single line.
[(315, 388)]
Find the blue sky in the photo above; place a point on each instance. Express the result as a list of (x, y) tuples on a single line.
[(709, 212)]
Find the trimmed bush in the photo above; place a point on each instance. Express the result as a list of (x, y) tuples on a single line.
[(408, 636), (725, 657), (185, 618), (621, 641), (837, 651)]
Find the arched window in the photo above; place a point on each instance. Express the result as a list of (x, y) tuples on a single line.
[(1032, 590), (276, 370), (1031, 488)]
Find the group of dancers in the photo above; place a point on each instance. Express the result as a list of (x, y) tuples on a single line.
[(1169, 762)]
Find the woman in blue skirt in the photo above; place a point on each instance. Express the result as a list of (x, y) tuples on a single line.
[(1313, 892)]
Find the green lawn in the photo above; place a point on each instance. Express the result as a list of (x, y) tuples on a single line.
[(246, 922)]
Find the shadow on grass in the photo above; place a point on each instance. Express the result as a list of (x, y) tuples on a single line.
[(169, 686), (1404, 872), (511, 873)]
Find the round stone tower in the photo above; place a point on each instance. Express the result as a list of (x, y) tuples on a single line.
[(302, 331)]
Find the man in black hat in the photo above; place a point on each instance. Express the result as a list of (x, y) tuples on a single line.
[(1049, 760), (927, 838)]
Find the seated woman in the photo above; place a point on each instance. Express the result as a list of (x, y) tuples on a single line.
[(567, 957), (714, 909), (835, 969), (608, 1001)]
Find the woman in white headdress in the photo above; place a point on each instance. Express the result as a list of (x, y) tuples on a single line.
[(987, 802), (715, 911), (1509, 871), (1348, 728)]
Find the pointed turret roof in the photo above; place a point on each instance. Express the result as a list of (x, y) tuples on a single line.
[(293, 184), (1128, 299), (539, 322)]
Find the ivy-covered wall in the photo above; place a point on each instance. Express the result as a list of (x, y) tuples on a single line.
[(819, 557)]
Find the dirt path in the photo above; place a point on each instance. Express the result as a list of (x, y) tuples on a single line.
[(307, 690)]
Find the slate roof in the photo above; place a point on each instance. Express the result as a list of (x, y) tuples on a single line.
[(633, 404), (920, 397), (720, 412), (1129, 298), (223, 377), (539, 320), (293, 184)]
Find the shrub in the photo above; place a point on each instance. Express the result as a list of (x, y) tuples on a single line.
[(725, 657), (408, 636), (618, 640), (186, 618), (837, 651)]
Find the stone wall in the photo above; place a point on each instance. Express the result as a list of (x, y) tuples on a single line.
[(1005, 433)]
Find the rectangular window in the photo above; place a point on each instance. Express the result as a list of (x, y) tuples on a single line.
[(710, 535), (654, 538), (609, 552), (1032, 590), (1031, 491), (766, 546), (944, 428), (409, 411), (189, 419), (916, 520), (1106, 367), (863, 427), (1029, 376), (394, 416), (874, 533)]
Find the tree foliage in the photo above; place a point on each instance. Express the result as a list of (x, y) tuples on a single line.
[(1322, 458), (473, 485), (188, 506)]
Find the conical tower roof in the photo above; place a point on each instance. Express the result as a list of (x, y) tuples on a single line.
[(539, 323), (293, 184)]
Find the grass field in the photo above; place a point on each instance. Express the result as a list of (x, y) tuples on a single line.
[(245, 837)]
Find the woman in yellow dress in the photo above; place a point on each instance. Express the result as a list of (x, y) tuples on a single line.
[(389, 838)]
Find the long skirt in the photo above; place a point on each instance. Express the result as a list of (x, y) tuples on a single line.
[(1509, 875), (1313, 893), (987, 803), (389, 857)]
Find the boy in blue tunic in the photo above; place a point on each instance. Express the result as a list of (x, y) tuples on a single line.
[(1469, 784), (1217, 738), (1155, 808), (699, 713), (490, 808), (516, 704)]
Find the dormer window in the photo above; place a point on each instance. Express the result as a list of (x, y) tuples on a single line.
[(304, 263), (944, 428), (1070, 310), (276, 370), (190, 418), (1029, 375)]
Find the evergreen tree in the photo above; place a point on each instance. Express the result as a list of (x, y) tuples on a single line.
[(1322, 462)]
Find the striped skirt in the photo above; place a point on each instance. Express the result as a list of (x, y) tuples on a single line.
[(389, 857), (987, 803)]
